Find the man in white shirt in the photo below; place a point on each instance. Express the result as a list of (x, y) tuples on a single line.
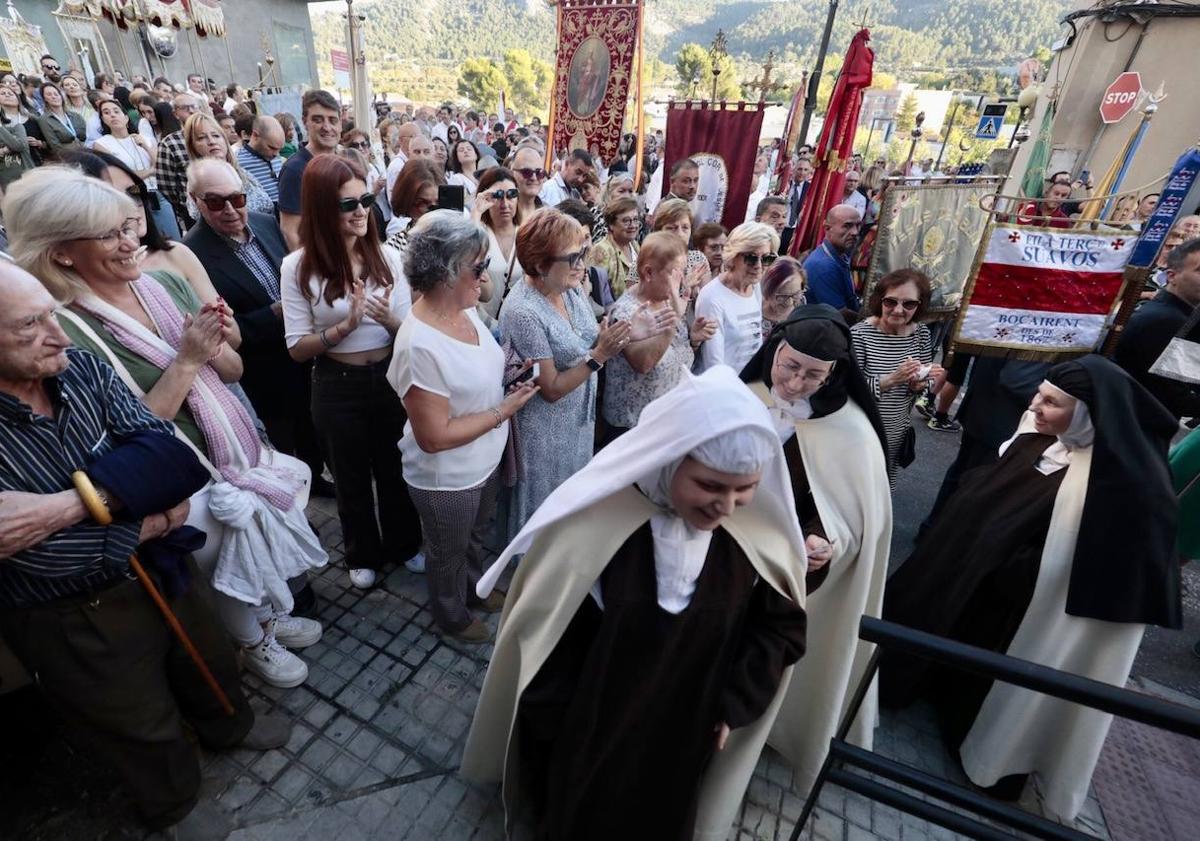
[(684, 180), (404, 138), (570, 177), (851, 195), (442, 126)]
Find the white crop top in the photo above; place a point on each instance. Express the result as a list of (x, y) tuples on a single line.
[(303, 318)]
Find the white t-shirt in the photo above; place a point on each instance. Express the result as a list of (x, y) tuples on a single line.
[(302, 318), (471, 378), (858, 201), (504, 272), (739, 325)]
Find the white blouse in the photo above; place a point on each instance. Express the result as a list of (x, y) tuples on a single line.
[(303, 318), (471, 377), (504, 272)]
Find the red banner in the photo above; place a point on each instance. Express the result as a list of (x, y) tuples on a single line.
[(836, 144), (724, 143), (597, 45)]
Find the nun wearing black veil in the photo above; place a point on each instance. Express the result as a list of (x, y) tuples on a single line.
[(1060, 553), (650, 629), (835, 449)]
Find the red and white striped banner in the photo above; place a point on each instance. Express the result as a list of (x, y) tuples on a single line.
[(1043, 291)]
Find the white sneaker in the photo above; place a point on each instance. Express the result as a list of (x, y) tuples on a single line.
[(416, 563), (363, 579), (275, 664), (294, 631)]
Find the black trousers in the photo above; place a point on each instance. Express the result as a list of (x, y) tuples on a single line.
[(123, 682), (360, 420)]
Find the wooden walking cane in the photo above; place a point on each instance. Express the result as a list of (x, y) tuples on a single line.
[(101, 514)]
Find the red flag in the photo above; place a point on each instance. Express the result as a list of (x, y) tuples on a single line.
[(791, 134), (836, 144), (723, 142)]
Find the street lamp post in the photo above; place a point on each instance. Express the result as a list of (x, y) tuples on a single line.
[(916, 136), (715, 55)]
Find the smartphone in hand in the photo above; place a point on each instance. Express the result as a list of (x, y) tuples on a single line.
[(530, 373)]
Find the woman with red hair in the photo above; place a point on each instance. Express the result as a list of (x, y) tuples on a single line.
[(344, 298)]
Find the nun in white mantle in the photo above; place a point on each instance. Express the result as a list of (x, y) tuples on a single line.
[(650, 629), (1060, 553), (835, 448)]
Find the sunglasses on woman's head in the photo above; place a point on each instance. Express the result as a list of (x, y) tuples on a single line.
[(754, 259), (352, 204), (215, 202), (532, 174), (892, 303), (500, 195)]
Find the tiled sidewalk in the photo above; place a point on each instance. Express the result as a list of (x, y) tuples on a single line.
[(380, 725)]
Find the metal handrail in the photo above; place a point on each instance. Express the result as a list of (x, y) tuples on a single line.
[(1105, 697)]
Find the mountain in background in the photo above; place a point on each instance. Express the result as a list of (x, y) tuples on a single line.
[(415, 46)]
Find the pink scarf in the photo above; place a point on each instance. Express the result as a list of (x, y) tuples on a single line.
[(169, 321)]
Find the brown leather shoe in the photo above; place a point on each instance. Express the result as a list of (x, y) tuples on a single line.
[(476, 633), (494, 603)]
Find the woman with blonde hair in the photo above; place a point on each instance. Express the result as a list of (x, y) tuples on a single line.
[(734, 299), (204, 138), (79, 236)]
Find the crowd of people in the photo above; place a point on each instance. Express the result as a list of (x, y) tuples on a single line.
[(212, 314)]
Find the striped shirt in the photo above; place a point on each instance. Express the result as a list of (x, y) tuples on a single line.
[(93, 410), (879, 354), (265, 172), (254, 258)]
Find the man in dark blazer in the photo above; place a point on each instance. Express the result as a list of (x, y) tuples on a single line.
[(242, 252), (1156, 322)]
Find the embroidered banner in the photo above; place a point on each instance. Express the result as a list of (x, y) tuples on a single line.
[(1042, 292), (723, 142), (594, 70), (934, 228)]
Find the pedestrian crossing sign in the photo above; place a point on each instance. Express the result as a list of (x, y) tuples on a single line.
[(990, 122)]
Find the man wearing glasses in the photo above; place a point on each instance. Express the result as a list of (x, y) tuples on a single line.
[(242, 252), (170, 167), (828, 266), (51, 70)]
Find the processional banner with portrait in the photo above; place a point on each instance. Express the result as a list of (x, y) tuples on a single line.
[(594, 70)]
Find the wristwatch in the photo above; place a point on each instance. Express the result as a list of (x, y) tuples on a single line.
[(594, 364)]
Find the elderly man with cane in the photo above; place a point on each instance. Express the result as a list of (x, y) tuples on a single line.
[(91, 481)]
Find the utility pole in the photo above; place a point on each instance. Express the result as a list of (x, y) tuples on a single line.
[(814, 81)]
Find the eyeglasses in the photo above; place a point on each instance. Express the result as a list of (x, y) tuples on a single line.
[(532, 174), (480, 268), (501, 195), (216, 203), (361, 144), (366, 200), (892, 303), (629, 221), (791, 371), (128, 230), (796, 299), (51, 68), (754, 259), (573, 260)]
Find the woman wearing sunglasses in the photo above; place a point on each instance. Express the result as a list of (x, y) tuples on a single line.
[(344, 298), (733, 301), (495, 206), (204, 138), (449, 372), (548, 319), (894, 351)]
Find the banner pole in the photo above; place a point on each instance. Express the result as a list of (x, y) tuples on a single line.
[(558, 15), (641, 132), (1134, 282)]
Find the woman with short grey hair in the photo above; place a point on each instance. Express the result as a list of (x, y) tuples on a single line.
[(448, 371)]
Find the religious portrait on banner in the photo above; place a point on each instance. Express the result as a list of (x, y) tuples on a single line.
[(593, 75), (589, 77)]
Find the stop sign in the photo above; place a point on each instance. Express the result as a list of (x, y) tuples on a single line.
[(1120, 97)]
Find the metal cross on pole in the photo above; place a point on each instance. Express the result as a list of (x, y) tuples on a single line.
[(715, 54), (765, 86)]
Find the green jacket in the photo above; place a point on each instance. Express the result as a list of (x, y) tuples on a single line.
[(1185, 473)]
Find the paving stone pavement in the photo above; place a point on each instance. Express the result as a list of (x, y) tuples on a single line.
[(380, 726)]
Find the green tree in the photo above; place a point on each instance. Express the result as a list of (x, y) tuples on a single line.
[(693, 69), (529, 80), (906, 116), (480, 80)]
